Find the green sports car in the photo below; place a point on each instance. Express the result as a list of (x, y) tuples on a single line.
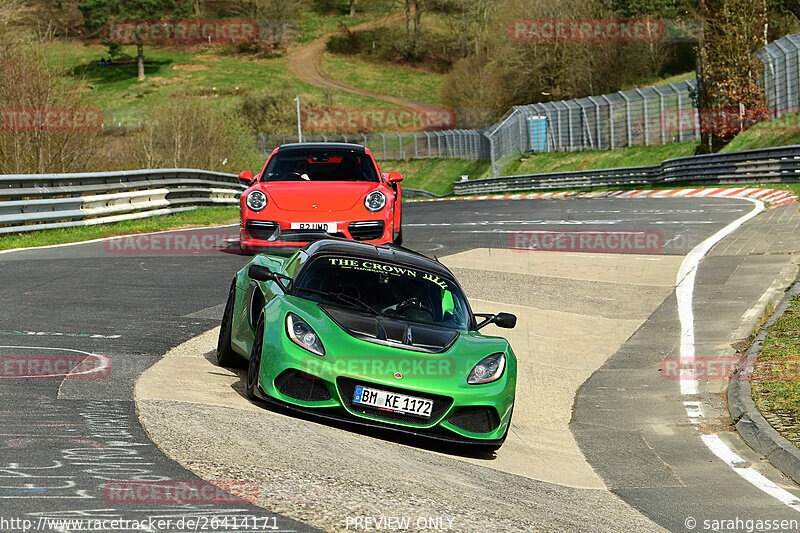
[(376, 335)]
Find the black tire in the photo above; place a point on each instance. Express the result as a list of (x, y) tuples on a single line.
[(226, 357), (254, 366), (398, 240)]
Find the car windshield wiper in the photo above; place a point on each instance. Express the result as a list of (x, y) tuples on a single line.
[(341, 297)]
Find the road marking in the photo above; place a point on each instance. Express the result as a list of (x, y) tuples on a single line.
[(721, 450), (105, 362), (694, 410), (57, 334), (685, 294)]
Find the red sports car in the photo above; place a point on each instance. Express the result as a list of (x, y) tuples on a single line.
[(310, 189)]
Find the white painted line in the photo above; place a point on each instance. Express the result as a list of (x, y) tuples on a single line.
[(694, 410), (721, 450), (105, 362), (685, 293), (756, 478)]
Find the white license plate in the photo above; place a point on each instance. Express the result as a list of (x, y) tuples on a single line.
[(392, 401), (329, 227)]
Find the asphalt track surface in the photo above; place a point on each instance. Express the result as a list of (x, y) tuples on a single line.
[(60, 440)]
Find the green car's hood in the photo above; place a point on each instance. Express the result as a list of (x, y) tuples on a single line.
[(463, 351)]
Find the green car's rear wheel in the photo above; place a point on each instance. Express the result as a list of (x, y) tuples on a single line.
[(255, 360), (225, 355)]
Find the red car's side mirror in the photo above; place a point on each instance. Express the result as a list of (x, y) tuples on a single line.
[(246, 177), (394, 177)]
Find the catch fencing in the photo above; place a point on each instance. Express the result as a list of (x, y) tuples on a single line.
[(769, 165), (45, 201), (448, 144), (781, 60), (640, 117)]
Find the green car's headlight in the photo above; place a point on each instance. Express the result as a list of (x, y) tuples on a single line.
[(302, 334), (488, 370)]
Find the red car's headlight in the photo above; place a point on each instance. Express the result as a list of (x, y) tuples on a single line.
[(256, 200), (375, 201)]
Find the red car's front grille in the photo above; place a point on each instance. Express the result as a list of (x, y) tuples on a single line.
[(367, 230)]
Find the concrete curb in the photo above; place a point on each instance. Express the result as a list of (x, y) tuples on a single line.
[(751, 425)]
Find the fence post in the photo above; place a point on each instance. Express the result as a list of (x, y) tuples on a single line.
[(569, 126), (627, 116), (597, 121), (383, 136), (644, 117), (610, 119), (680, 112), (400, 140), (491, 156)]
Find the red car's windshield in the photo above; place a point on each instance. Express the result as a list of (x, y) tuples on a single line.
[(320, 165)]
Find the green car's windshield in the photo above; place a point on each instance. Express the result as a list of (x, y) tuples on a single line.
[(385, 289)]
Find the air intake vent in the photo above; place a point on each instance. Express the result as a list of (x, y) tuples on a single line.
[(366, 231)]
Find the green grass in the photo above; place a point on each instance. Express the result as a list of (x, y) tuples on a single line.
[(436, 175), (782, 131), (382, 77), (219, 79), (658, 80), (207, 216), (776, 379), (633, 156), (324, 16)]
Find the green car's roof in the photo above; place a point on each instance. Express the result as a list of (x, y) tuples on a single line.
[(391, 253)]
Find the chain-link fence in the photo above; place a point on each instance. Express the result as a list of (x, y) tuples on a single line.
[(449, 144), (781, 60), (640, 117)]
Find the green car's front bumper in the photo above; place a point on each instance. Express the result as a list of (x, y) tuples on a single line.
[(324, 385)]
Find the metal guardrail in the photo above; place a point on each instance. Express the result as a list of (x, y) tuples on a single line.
[(768, 165), (31, 202)]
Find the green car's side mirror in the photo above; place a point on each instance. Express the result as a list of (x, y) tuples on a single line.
[(501, 320), (262, 273)]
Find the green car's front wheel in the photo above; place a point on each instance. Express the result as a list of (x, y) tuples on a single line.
[(255, 360), (226, 357)]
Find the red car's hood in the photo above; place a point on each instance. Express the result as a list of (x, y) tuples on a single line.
[(315, 196)]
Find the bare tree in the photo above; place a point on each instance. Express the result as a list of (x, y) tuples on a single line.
[(727, 72), (32, 88), (10, 10), (413, 10), (274, 17)]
